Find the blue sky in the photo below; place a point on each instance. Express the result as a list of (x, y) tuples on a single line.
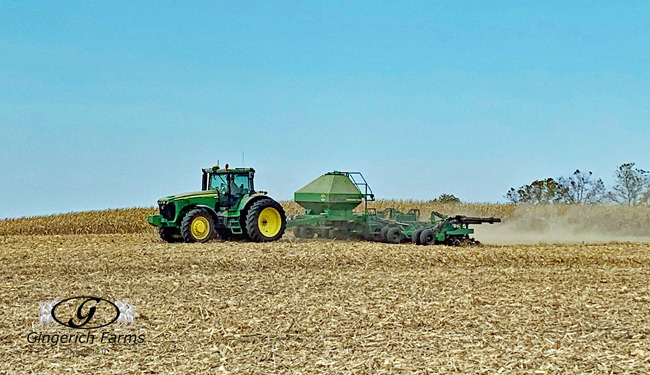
[(114, 104)]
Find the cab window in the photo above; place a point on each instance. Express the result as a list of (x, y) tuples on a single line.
[(218, 182), (241, 185)]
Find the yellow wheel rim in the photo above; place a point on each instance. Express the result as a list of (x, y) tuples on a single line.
[(269, 222), (200, 228)]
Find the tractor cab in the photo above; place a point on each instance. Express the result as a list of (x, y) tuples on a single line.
[(231, 184)]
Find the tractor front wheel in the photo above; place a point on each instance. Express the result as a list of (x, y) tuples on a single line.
[(197, 226), (265, 221)]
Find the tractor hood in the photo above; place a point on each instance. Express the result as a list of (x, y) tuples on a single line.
[(188, 195)]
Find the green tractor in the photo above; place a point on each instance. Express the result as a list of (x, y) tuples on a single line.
[(227, 207)]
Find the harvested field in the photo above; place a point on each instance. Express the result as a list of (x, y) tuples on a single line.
[(310, 306)]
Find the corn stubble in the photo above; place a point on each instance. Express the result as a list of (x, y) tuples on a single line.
[(315, 306), (522, 224)]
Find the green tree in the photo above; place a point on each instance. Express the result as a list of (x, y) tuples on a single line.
[(632, 185), (447, 198)]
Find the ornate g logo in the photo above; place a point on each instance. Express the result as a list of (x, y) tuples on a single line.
[(100, 311)]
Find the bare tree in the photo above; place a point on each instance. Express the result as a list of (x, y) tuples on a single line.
[(632, 186), (580, 188), (538, 192)]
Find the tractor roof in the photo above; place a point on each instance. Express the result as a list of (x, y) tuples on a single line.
[(216, 169)]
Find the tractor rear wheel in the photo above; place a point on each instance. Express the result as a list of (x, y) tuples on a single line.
[(168, 234), (265, 221), (427, 237), (197, 226)]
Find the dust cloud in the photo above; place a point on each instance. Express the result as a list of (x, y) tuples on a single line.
[(569, 224)]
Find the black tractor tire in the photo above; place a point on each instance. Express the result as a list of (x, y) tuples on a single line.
[(382, 234), (394, 235), (170, 235), (415, 237), (198, 226), (427, 237), (265, 221)]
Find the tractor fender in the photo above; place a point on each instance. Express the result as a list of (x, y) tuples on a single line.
[(189, 207), (245, 204)]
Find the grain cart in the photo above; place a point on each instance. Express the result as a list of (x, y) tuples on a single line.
[(228, 206), (329, 202)]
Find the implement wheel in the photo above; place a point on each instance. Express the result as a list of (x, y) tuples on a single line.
[(382, 234), (373, 235), (197, 226), (427, 237), (303, 232), (415, 238), (394, 235), (265, 221), (170, 234)]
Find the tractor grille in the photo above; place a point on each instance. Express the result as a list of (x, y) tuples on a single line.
[(168, 210)]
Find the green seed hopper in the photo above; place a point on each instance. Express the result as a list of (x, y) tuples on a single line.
[(329, 202), (335, 194)]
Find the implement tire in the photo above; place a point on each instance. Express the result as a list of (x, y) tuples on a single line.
[(382, 234), (265, 221), (197, 226), (170, 235), (427, 237), (415, 238), (297, 232), (394, 235), (303, 232)]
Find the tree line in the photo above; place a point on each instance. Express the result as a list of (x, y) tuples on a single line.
[(631, 187)]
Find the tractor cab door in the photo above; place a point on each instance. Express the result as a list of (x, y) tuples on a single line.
[(237, 186)]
